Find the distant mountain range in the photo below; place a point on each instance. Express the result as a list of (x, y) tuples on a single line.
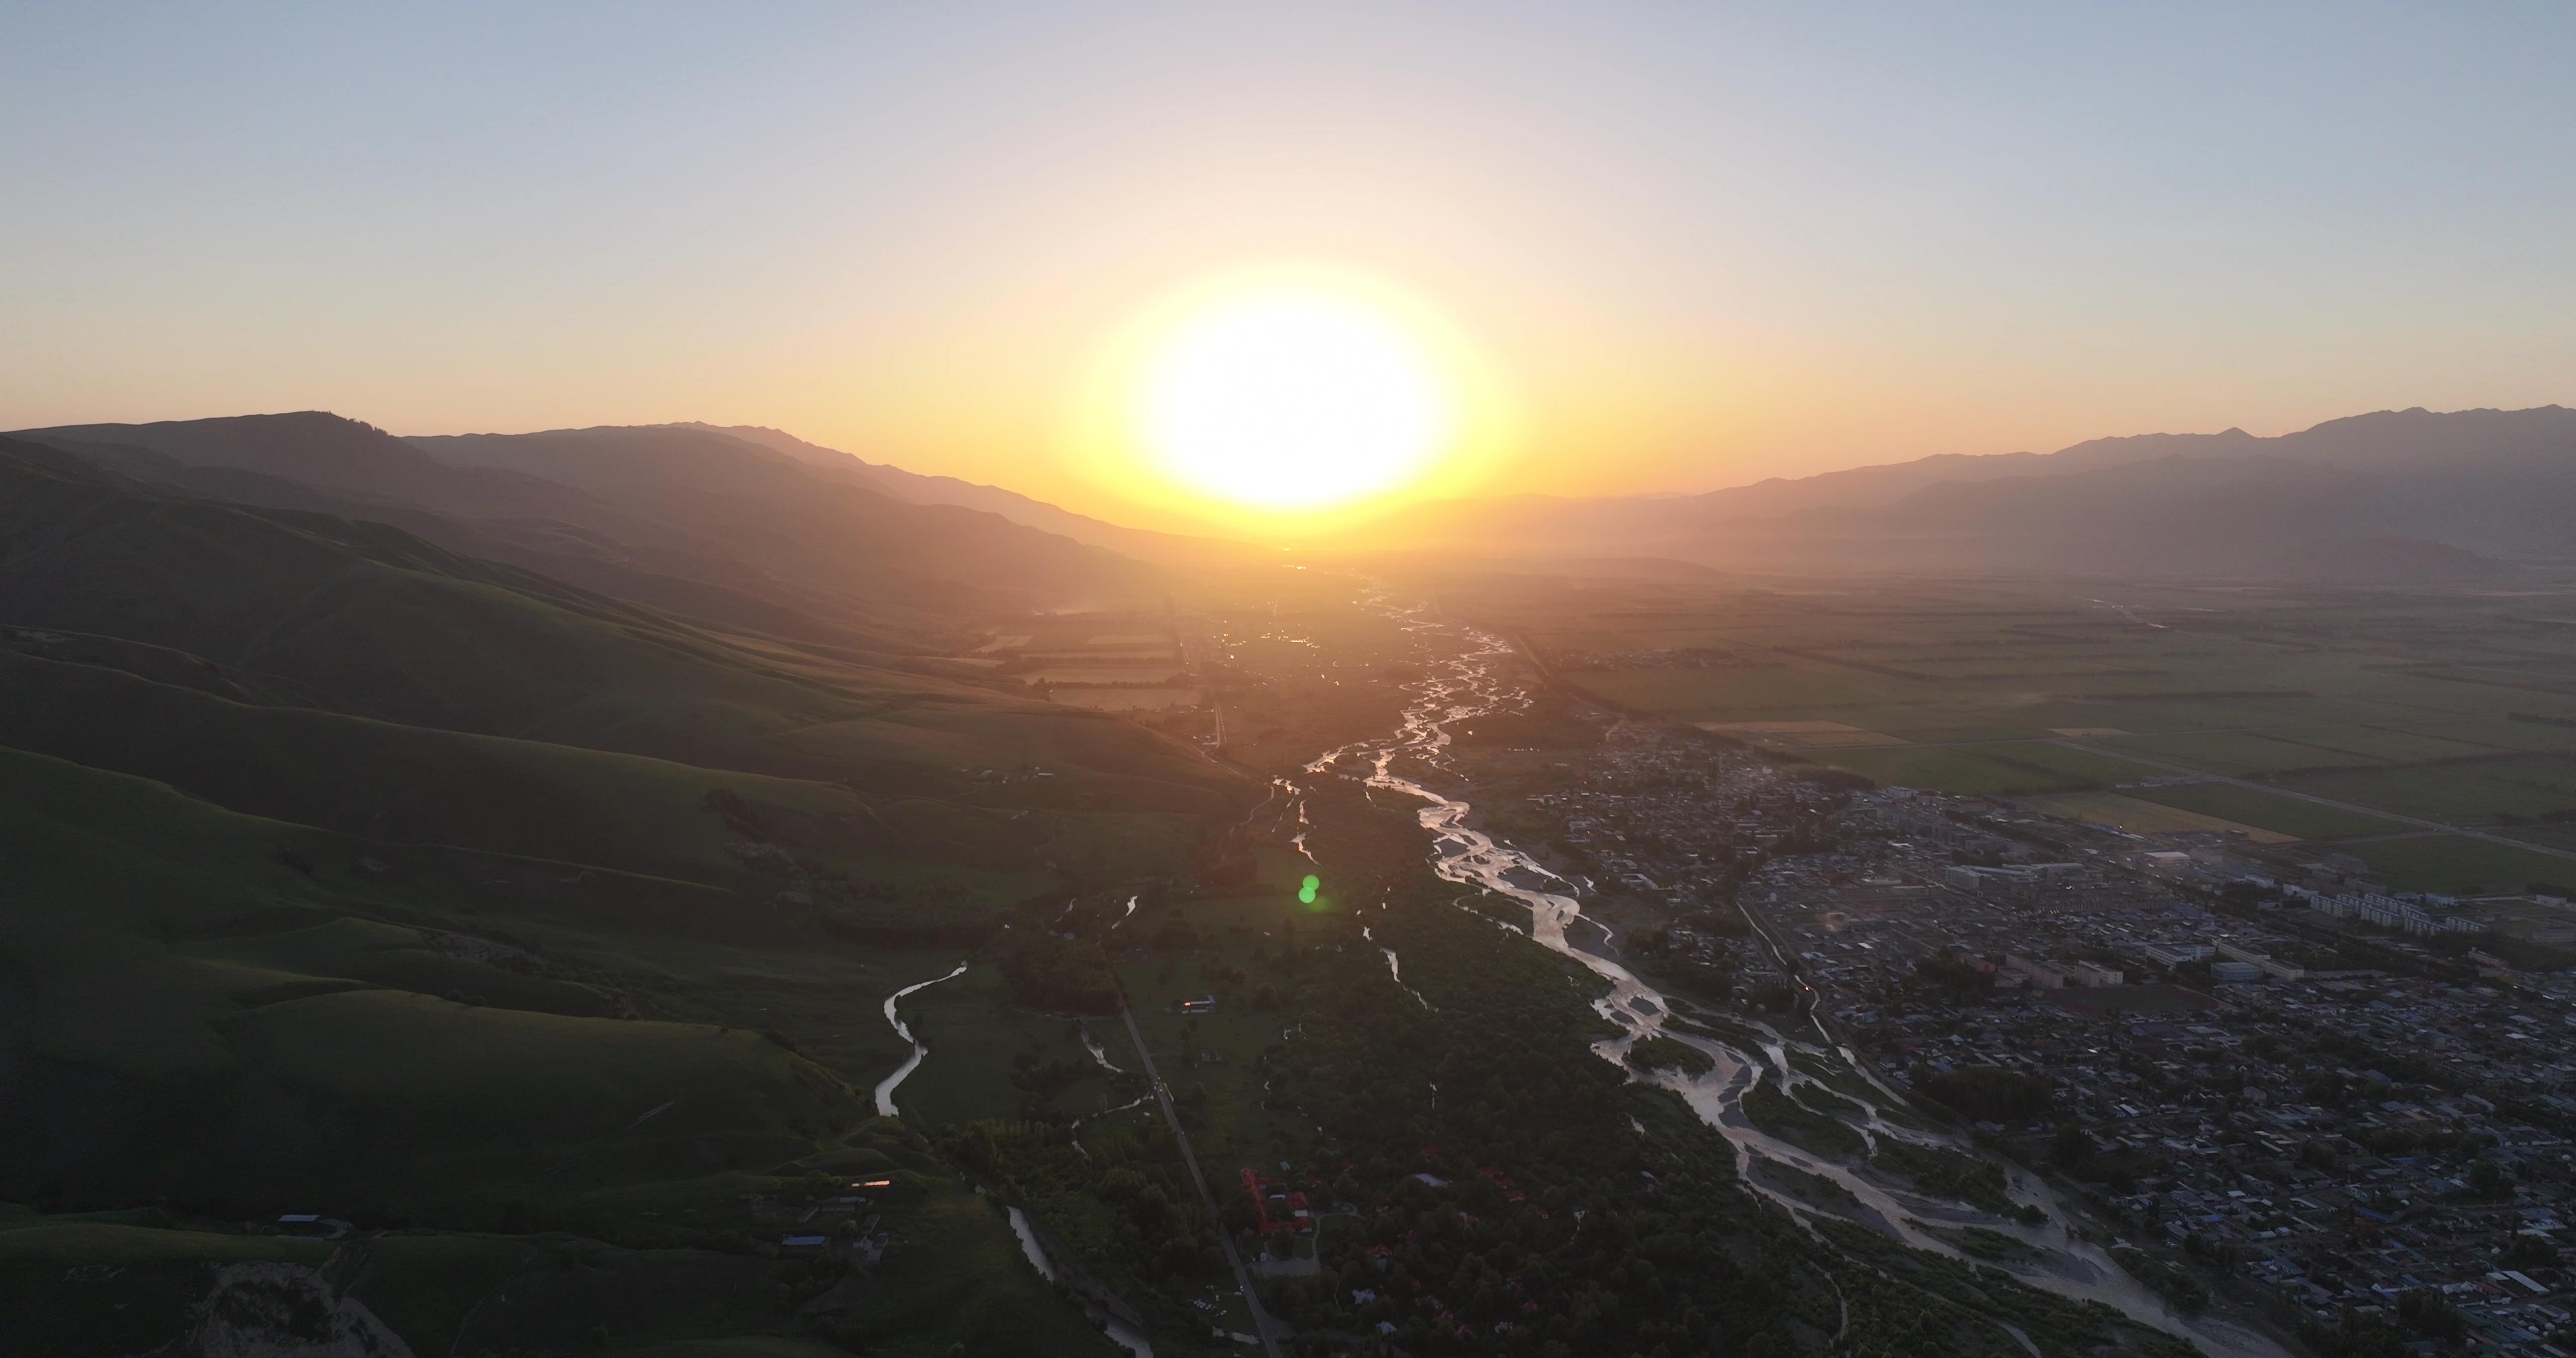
[(753, 528), (722, 529), (1143, 544), (2406, 495)]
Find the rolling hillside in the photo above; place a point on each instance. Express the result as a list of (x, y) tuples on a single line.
[(353, 875), (1144, 545), (688, 521), (790, 518)]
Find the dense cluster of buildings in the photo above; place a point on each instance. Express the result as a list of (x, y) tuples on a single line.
[(2389, 912), (2275, 1086)]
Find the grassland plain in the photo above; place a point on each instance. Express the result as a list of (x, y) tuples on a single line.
[(2478, 792), (2552, 834), (2142, 817), (2254, 806), (1998, 770), (2456, 865), (2457, 706)]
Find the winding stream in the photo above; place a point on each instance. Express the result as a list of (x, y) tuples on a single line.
[(886, 1086), (1468, 684), (1099, 1054), (1121, 1333)]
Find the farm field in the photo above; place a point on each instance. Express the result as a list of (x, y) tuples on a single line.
[(2001, 768), (2467, 793), (2253, 806), (1133, 666), (2456, 865), (2144, 817), (2456, 706), (1105, 657), (2553, 835), (1102, 674), (1996, 770), (1127, 699), (1800, 735), (2241, 754)]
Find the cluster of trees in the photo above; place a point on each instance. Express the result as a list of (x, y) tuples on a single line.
[(1782, 1116), (1954, 978), (1122, 1205), (1058, 975), (1950, 1174), (2421, 1315), (1615, 1242), (1988, 1093), (2167, 1279), (1664, 1053), (1042, 1075), (1223, 861), (1712, 979)]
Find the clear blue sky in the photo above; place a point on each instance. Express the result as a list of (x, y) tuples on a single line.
[(1705, 242)]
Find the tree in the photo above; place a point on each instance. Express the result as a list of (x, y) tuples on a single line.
[(1991, 1093)]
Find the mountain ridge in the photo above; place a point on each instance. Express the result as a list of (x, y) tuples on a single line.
[(817, 556), (2469, 490), (924, 488)]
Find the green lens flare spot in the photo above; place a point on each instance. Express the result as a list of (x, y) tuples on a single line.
[(1307, 892)]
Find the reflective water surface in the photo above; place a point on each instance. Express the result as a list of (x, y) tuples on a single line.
[(1466, 682)]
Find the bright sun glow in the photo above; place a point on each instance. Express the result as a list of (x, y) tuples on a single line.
[(1293, 397)]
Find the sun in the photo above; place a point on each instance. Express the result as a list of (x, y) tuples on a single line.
[(1292, 397)]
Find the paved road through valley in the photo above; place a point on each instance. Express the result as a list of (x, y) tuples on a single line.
[(1261, 1322)]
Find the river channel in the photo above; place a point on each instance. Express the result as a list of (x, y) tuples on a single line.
[(920, 1049), (1466, 681)]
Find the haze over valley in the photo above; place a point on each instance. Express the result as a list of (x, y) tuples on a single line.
[(1342, 681)]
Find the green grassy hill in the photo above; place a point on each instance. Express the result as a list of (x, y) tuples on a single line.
[(536, 935), (645, 512), (212, 1007), (797, 518), (370, 620), (533, 799)]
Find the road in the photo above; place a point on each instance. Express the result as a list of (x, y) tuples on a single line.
[(1261, 1321)]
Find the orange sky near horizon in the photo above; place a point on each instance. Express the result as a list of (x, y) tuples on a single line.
[(1681, 246)]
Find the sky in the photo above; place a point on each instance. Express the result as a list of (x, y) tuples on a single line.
[(1688, 245)]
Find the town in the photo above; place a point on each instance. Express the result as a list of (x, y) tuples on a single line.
[(2270, 1082)]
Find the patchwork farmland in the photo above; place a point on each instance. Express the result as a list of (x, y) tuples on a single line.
[(2429, 733)]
